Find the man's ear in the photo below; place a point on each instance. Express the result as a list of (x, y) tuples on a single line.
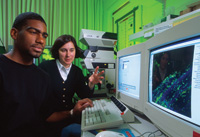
[(13, 33)]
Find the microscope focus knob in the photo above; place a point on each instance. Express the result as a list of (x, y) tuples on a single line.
[(93, 55)]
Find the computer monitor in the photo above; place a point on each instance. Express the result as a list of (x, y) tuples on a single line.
[(129, 77), (172, 94)]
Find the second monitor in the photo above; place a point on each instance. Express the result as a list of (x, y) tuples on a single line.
[(130, 77)]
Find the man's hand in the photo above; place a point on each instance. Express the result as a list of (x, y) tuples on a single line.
[(81, 105)]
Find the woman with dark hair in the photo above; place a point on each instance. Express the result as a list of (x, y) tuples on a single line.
[(68, 79), (60, 41)]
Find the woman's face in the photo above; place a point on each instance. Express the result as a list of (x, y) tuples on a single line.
[(164, 61), (67, 54)]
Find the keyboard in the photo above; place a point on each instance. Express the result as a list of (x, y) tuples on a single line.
[(106, 113)]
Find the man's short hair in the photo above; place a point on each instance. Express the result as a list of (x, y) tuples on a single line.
[(21, 19)]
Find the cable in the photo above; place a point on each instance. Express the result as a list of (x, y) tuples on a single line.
[(2, 42), (161, 133), (148, 132), (151, 134), (3, 47)]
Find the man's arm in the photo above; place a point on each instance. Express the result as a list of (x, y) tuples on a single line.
[(79, 107)]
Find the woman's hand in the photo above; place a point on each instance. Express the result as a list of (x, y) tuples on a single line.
[(95, 78)]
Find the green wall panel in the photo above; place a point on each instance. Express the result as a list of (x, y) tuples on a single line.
[(70, 16), (61, 16)]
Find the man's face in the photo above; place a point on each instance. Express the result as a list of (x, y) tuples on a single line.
[(31, 39)]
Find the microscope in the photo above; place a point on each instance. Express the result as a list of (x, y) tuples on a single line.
[(100, 53)]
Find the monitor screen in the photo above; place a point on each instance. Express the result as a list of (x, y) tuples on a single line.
[(129, 75), (174, 79)]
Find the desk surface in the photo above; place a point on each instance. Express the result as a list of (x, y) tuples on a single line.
[(138, 128)]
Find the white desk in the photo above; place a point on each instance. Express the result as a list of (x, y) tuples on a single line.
[(137, 128)]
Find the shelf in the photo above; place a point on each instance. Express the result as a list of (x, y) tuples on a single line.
[(152, 31)]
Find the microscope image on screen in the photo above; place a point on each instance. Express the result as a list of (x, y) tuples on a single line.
[(172, 76)]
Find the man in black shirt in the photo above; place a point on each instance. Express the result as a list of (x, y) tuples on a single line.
[(25, 95)]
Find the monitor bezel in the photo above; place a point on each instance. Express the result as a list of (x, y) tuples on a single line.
[(168, 123), (135, 104)]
